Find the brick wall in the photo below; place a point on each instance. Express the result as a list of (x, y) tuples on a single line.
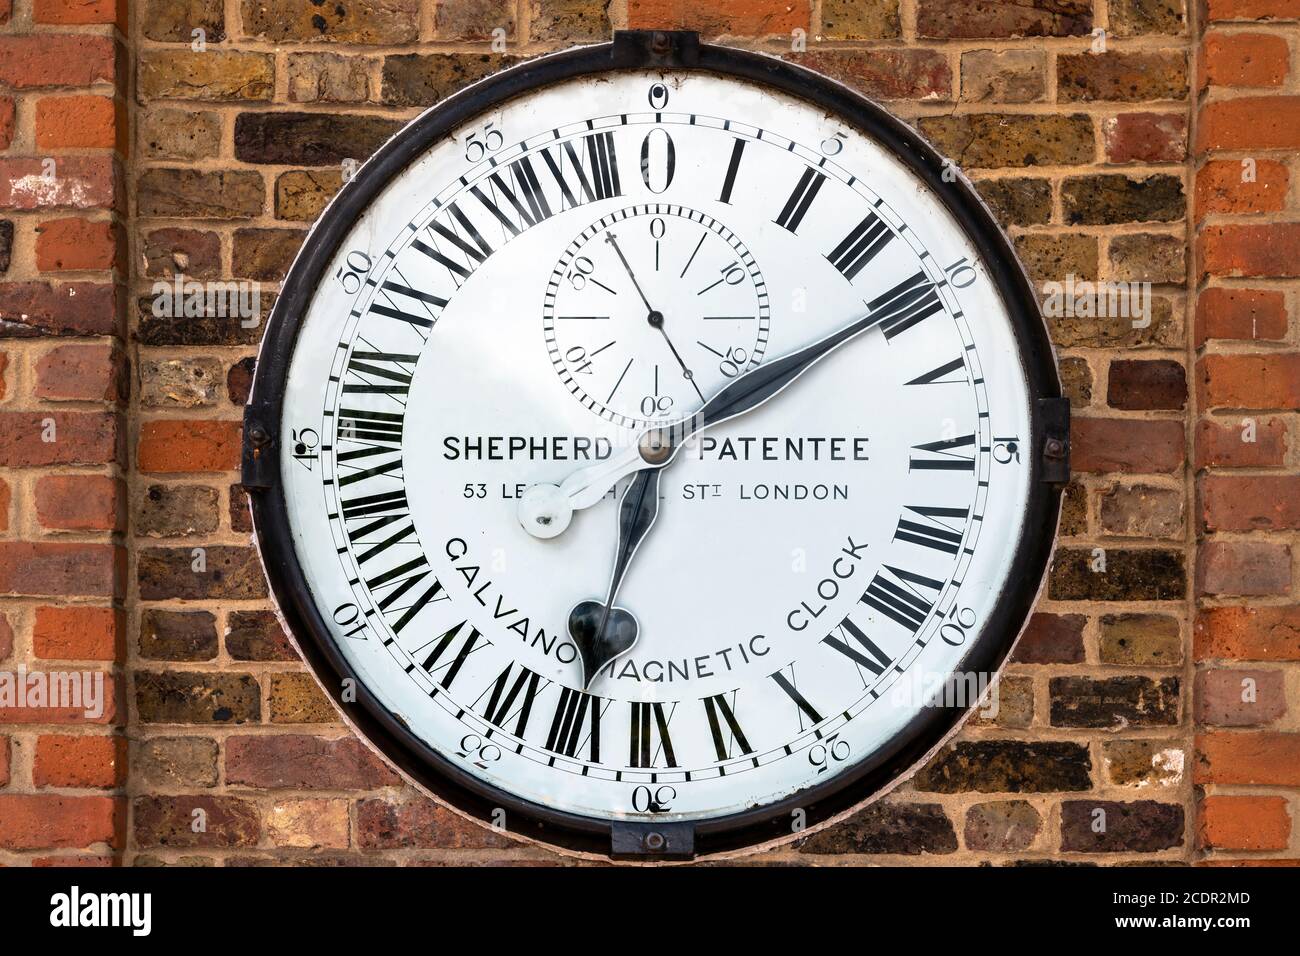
[(1247, 370), (208, 155)]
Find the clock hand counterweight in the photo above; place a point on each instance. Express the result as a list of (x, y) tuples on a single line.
[(546, 510)]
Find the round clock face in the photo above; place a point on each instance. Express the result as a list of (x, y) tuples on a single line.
[(520, 301)]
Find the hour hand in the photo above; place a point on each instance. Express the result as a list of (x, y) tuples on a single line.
[(601, 630)]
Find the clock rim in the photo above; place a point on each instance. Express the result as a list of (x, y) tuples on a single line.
[(428, 769)]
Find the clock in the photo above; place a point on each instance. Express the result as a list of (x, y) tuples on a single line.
[(655, 449)]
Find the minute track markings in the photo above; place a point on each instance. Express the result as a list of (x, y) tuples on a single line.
[(503, 167)]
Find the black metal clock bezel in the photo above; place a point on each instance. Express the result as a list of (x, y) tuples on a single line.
[(1046, 453)]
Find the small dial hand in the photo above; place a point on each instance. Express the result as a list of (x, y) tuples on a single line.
[(653, 315), (601, 630), (546, 510)]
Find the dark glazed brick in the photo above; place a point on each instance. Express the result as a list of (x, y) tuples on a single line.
[(1137, 385), (1143, 826), (178, 697), (1148, 574), (1124, 77), (231, 572), (257, 636), (1114, 702), (309, 139), (1018, 202), (169, 821), (178, 635), (415, 79), (908, 829), (1006, 766), (991, 19), (1051, 639), (239, 380), (1110, 198)]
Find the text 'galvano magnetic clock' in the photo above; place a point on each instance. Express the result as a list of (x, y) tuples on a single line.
[(639, 438)]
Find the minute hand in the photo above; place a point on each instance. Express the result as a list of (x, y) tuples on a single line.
[(585, 487)]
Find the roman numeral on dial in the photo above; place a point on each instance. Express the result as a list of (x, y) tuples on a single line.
[(796, 207), (786, 683), (906, 304), (575, 728), (728, 738), (946, 454), (863, 652), (407, 313), (893, 592), (733, 166), (472, 251), (510, 698), (379, 373), (939, 529), (942, 375), (648, 738), (860, 246), (442, 662)]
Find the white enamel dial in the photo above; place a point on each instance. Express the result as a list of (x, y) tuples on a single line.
[(815, 563)]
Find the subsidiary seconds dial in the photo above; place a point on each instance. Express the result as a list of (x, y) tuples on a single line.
[(651, 309)]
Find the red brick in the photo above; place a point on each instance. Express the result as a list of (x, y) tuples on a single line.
[(1244, 568), (82, 373), (300, 761), (885, 74), (1145, 137), (50, 821), (1253, 9), (1249, 502), (70, 308), (189, 446), (1244, 59), (57, 59), (79, 122), (79, 861), (1249, 381), (1236, 697), (1126, 445), (6, 121), (78, 633), (80, 11), (80, 438), (1244, 823), (6, 638), (1248, 757), (1250, 633), (1256, 250), (1051, 639), (1250, 314), (6, 496), (68, 244), (1250, 122), (70, 715), (420, 822), (1221, 444), (744, 18), (78, 182), (90, 570), (81, 502), (83, 761), (1221, 187), (4, 761)]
